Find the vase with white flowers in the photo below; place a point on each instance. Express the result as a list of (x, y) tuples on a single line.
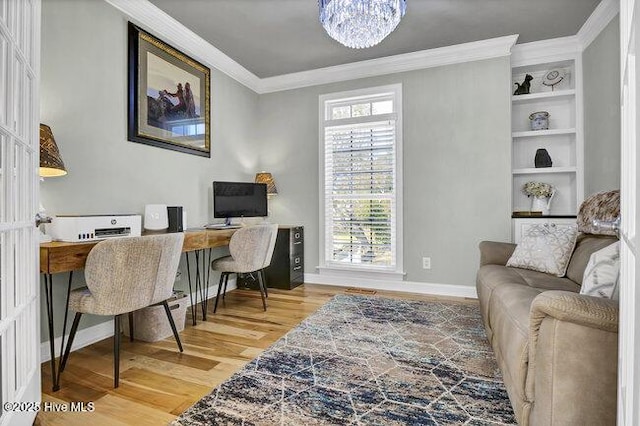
[(541, 195)]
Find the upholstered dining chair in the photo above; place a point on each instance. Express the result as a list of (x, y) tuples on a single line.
[(251, 249), (122, 276)]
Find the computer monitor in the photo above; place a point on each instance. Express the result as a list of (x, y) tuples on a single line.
[(239, 199)]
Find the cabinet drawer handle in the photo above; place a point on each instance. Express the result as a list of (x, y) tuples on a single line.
[(297, 242), (297, 268)]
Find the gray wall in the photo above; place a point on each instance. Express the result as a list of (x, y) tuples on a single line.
[(456, 163), (83, 99), (601, 69)]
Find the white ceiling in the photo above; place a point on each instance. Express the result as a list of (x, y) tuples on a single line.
[(275, 37)]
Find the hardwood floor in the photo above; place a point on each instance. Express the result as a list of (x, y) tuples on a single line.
[(157, 382)]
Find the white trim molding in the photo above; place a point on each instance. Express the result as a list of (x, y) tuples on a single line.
[(448, 55), (599, 19), (154, 20), (398, 286), (555, 49)]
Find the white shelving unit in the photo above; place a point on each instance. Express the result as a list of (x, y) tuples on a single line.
[(563, 140)]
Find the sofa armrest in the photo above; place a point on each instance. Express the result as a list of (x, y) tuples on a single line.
[(573, 358), (495, 253), (588, 311)]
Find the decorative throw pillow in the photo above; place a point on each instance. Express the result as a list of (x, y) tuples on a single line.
[(602, 274), (545, 248), (604, 206)]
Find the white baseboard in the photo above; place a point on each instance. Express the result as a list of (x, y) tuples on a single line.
[(400, 286), (95, 333), (84, 337)]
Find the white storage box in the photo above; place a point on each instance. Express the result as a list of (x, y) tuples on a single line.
[(151, 324)]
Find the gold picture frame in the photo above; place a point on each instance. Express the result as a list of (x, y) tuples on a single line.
[(168, 96)]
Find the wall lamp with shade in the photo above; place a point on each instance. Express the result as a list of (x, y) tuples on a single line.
[(51, 165), (265, 177)]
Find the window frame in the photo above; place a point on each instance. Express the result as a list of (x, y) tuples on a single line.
[(326, 103)]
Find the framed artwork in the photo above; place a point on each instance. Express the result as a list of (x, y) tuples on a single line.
[(168, 96)]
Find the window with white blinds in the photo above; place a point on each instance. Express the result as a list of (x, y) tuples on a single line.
[(361, 140)]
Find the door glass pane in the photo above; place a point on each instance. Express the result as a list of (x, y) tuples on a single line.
[(4, 58), (18, 96), (3, 141)]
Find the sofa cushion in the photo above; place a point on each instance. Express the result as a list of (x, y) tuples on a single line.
[(602, 273), (545, 248), (490, 277), (585, 247), (495, 275)]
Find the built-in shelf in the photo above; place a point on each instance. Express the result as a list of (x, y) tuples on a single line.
[(549, 132), (563, 141), (546, 170), (543, 95)]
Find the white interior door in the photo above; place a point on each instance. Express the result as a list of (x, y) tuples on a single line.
[(19, 161), (629, 347)]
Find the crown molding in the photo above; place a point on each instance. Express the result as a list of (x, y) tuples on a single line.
[(155, 21), (599, 19), (448, 55), (555, 49), (148, 16)]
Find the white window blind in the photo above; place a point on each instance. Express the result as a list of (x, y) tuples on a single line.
[(360, 183)]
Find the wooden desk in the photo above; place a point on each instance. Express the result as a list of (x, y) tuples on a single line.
[(57, 257)]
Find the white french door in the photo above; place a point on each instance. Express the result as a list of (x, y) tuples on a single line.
[(19, 161), (629, 345)]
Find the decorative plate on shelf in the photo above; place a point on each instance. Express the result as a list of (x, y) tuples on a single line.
[(553, 77)]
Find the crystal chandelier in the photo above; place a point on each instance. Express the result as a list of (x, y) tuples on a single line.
[(360, 23)]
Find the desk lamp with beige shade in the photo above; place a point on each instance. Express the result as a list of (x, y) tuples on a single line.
[(51, 165), (267, 178)]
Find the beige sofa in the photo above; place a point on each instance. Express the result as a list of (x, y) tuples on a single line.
[(556, 349)]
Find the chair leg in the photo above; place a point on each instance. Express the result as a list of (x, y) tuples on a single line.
[(264, 281), (226, 280), (131, 326), (116, 351), (72, 335), (215, 306), (262, 291), (173, 324)]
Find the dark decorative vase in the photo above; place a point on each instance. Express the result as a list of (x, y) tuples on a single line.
[(542, 158)]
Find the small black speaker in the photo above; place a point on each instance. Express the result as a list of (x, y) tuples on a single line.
[(175, 219)]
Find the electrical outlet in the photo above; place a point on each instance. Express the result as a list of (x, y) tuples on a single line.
[(426, 263)]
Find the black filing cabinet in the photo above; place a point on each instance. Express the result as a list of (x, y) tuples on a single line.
[(287, 264)]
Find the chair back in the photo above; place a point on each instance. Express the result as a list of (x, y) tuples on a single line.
[(127, 274), (252, 247)]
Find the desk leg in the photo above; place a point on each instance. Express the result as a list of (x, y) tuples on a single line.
[(193, 305), (203, 285), (48, 289), (200, 282), (207, 269)]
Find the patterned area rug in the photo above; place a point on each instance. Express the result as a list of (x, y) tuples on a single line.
[(362, 360)]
